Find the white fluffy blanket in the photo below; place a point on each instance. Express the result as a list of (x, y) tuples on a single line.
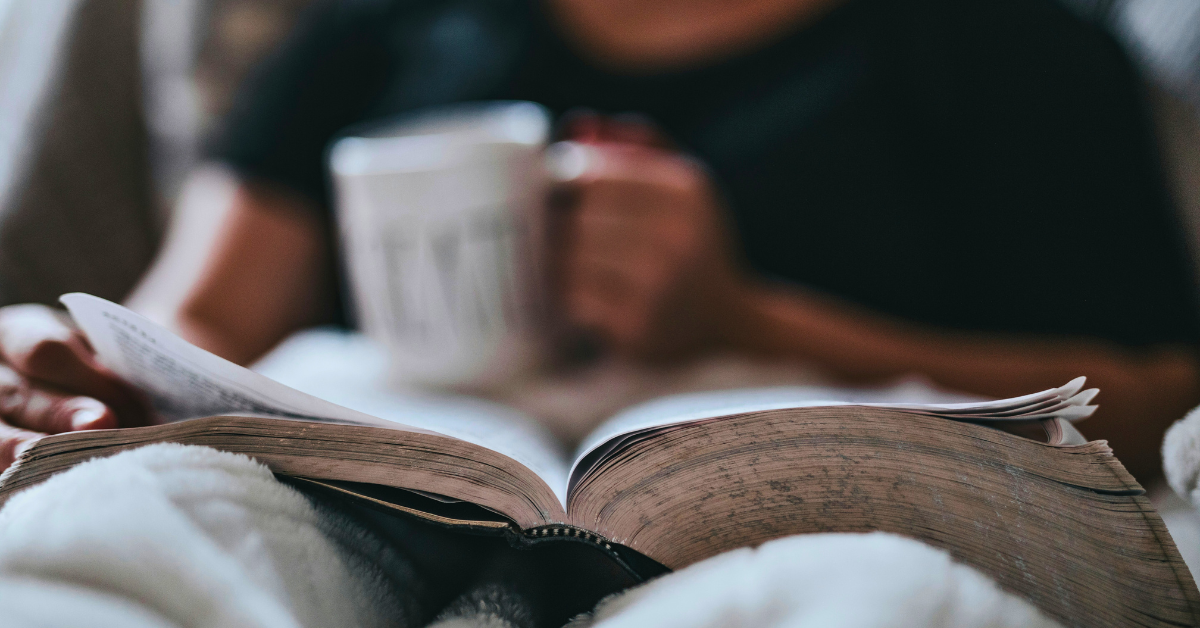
[(1181, 456), (182, 536)]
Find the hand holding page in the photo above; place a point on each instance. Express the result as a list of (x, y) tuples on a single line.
[(185, 381)]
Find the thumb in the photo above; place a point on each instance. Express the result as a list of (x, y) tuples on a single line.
[(39, 344)]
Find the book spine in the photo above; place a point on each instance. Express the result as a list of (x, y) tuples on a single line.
[(636, 564), (533, 535)]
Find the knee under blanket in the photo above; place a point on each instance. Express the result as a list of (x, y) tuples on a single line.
[(170, 535)]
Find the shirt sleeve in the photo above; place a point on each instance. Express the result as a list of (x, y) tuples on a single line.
[(326, 76)]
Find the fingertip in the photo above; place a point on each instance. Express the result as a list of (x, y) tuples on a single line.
[(568, 161), (90, 414)]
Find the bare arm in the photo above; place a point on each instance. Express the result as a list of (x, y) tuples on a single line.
[(1142, 391), (266, 276)]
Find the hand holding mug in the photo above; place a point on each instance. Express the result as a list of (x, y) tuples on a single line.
[(644, 258)]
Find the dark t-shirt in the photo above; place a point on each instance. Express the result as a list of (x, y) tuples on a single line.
[(982, 165)]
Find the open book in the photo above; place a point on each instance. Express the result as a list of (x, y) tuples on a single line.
[(674, 481)]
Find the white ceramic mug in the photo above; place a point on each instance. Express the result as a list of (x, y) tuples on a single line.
[(442, 232)]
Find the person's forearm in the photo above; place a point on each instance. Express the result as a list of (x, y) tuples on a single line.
[(1142, 390), (196, 220), (266, 276)]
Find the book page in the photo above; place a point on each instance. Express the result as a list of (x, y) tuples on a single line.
[(184, 381), (1068, 402), (350, 370)]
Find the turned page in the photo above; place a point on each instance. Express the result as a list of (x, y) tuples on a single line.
[(1055, 407), (184, 381)]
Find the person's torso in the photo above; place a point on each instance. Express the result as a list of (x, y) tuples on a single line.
[(911, 156)]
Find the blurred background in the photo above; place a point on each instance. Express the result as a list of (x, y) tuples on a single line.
[(104, 105), (103, 108)]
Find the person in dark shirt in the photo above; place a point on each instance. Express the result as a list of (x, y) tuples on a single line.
[(968, 190)]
